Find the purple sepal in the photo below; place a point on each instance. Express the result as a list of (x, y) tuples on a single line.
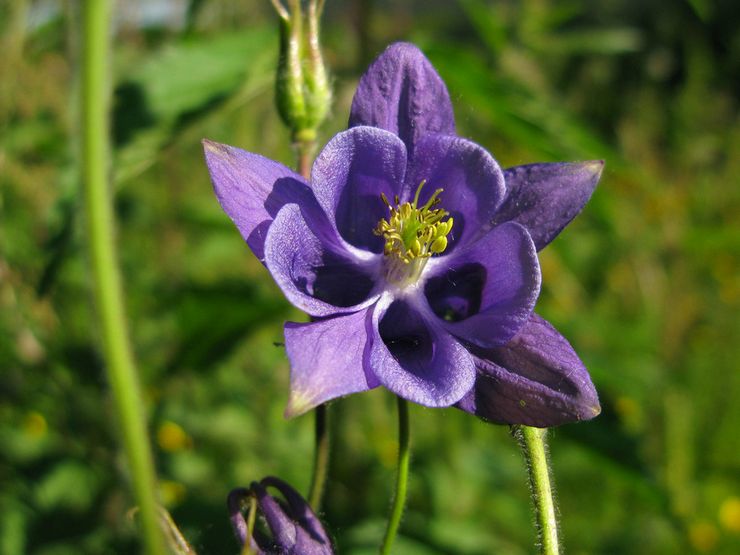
[(401, 92), (536, 379), (544, 198), (327, 360), (251, 189)]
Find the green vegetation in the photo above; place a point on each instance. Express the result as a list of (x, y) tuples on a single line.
[(645, 283)]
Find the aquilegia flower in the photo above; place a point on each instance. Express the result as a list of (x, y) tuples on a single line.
[(416, 256), (293, 526)]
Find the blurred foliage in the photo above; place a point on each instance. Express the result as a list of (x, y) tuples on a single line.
[(645, 283)]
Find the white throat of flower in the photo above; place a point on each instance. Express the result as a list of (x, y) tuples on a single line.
[(412, 235)]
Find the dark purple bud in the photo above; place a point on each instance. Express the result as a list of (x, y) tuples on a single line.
[(293, 527)]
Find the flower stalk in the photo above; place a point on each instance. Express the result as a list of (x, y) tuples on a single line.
[(399, 498), (532, 442), (106, 281), (320, 457)]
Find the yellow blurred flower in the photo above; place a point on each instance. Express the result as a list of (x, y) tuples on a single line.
[(630, 412), (171, 493), (729, 514), (35, 425), (172, 438), (703, 536)]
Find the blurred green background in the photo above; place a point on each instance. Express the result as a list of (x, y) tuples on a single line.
[(645, 283)]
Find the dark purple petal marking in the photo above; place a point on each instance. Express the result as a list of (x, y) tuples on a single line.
[(417, 359), (544, 198), (326, 360), (401, 92), (536, 379), (252, 189), (472, 180), (486, 292), (350, 174), (457, 293), (317, 275)]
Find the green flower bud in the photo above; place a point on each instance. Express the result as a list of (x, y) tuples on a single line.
[(302, 91)]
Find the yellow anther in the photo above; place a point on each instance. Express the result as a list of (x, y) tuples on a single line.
[(415, 247), (413, 234), (439, 245)]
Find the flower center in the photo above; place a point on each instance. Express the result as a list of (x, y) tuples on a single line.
[(412, 235)]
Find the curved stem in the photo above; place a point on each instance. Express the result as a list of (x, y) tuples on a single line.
[(399, 499), (107, 289), (532, 442), (251, 518), (320, 457)]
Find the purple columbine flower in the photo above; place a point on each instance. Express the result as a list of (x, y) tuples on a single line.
[(416, 255), (294, 528)]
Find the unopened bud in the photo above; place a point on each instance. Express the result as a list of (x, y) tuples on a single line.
[(292, 525), (303, 94)]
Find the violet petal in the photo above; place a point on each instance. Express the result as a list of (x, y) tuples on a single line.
[(251, 189), (487, 291), (416, 359), (536, 379), (544, 198), (472, 183), (349, 175), (401, 92), (326, 360), (316, 274)]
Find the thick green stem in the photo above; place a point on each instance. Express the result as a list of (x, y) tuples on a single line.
[(320, 458), (95, 100), (532, 442), (399, 499)]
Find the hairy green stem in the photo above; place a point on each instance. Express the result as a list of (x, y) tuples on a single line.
[(320, 457), (107, 290), (532, 442), (399, 498)]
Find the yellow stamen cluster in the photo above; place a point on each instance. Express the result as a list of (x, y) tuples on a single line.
[(413, 234)]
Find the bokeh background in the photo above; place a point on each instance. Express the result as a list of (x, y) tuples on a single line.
[(645, 283)]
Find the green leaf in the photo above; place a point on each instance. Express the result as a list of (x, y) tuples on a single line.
[(70, 485), (180, 85)]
